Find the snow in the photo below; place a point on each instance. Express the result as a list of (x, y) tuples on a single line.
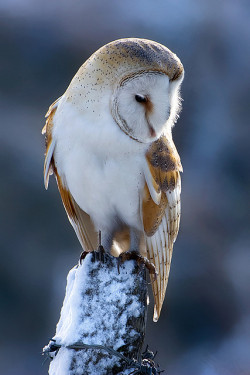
[(98, 306)]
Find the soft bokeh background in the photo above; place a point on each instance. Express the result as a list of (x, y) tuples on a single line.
[(205, 325)]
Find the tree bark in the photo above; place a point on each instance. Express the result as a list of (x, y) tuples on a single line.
[(105, 305)]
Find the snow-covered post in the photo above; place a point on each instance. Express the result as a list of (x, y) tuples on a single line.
[(102, 323)]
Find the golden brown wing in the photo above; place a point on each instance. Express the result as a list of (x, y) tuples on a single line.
[(80, 221), (161, 211)]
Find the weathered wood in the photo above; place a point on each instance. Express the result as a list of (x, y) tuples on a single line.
[(104, 305)]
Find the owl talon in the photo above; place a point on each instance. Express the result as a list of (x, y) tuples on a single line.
[(101, 249), (118, 264), (139, 259), (98, 254), (83, 256)]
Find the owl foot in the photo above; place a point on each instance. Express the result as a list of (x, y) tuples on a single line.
[(133, 255), (83, 256), (98, 254)]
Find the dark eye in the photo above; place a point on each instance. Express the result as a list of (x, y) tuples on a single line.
[(140, 98)]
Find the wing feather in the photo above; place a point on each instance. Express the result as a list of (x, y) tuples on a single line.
[(80, 221), (48, 170), (153, 256), (162, 228), (159, 255), (154, 188)]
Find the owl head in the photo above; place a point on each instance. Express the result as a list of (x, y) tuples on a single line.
[(138, 80)]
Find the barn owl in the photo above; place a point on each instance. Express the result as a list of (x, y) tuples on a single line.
[(109, 144)]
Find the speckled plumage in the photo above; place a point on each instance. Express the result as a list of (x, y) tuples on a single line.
[(110, 146)]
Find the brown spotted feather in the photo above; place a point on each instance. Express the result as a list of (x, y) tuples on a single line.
[(161, 221)]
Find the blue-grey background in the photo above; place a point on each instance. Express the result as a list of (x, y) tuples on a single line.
[(204, 328)]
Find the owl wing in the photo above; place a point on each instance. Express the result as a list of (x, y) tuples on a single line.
[(161, 212), (80, 221)]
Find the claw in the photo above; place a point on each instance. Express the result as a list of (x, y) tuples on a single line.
[(83, 256), (98, 254), (119, 262), (101, 253), (139, 259)]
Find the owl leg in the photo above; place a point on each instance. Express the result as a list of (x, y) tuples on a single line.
[(135, 236), (104, 245), (106, 240)]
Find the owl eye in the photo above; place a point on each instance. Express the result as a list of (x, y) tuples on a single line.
[(140, 98)]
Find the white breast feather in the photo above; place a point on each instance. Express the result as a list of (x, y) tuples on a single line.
[(103, 168)]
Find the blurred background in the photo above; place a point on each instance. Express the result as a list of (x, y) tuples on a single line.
[(204, 328)]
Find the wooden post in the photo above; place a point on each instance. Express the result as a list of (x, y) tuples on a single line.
[(103, 317)]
